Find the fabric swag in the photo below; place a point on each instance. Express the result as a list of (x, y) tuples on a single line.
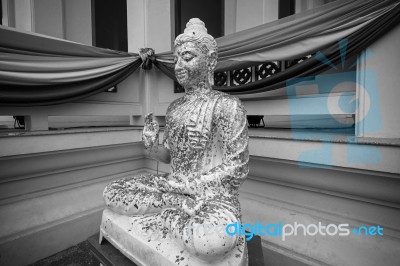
[(41, 70)]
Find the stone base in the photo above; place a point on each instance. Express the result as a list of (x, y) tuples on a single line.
[(151, 246)]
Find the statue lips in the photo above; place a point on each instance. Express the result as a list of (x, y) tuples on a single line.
[(180, 74)]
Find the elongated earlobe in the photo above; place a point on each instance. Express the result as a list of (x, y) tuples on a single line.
[(211, 77), (212, 57), (212, 63)]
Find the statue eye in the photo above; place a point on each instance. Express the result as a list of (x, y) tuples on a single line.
[(187, 57)]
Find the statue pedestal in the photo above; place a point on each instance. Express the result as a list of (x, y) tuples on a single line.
[(108, 255), (141, 240)]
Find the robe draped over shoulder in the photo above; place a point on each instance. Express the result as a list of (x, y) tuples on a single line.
[(208, 140)]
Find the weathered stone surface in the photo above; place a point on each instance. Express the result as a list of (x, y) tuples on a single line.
[(206, 143)]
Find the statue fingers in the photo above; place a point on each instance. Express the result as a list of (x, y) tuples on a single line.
[(148, 118), (151, 128), (155, 126)]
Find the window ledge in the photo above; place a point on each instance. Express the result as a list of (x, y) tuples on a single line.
[(344, 136), (59, 131)]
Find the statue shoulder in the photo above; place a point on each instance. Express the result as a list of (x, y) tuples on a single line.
[(174, 104), (229, 103)]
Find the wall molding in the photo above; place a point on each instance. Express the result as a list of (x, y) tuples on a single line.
[(278, 190), (53, 199), (331, 154), (26, 165), (315, 195), (52, 141), (327, 180)]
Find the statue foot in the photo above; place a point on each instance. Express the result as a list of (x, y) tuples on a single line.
[(202, 234), (145, 240)]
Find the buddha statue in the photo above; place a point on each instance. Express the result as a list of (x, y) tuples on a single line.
[(206, 143)]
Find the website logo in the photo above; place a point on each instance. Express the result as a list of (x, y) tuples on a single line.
[(335, 105), (287, 230)]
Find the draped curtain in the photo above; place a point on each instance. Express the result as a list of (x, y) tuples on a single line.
[(360, 22), (41, 70)]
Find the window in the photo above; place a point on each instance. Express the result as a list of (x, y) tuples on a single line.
[(211, 12), (109, 24), (286, 8)]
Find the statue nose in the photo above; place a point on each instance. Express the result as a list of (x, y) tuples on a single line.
[(179, 64)]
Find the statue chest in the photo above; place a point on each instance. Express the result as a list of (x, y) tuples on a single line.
[(192, 136)]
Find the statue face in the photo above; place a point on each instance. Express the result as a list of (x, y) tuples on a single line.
[(191, 68)]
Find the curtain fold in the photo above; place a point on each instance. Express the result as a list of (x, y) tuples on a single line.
[(300, 35), (297, 35), (357, 42), (360, 22), (16, 41), (18, 95), (41, 70)]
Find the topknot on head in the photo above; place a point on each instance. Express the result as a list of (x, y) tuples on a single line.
[(196, 32), (195, 25)]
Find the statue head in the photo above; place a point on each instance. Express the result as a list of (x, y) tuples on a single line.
[(195, 56)]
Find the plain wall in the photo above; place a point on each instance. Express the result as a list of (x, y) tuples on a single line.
[(48, 17), (78, 21)]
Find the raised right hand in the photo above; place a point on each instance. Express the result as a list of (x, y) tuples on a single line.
[(150, 132)]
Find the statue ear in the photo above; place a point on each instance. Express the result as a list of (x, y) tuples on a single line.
[(212, 56)]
